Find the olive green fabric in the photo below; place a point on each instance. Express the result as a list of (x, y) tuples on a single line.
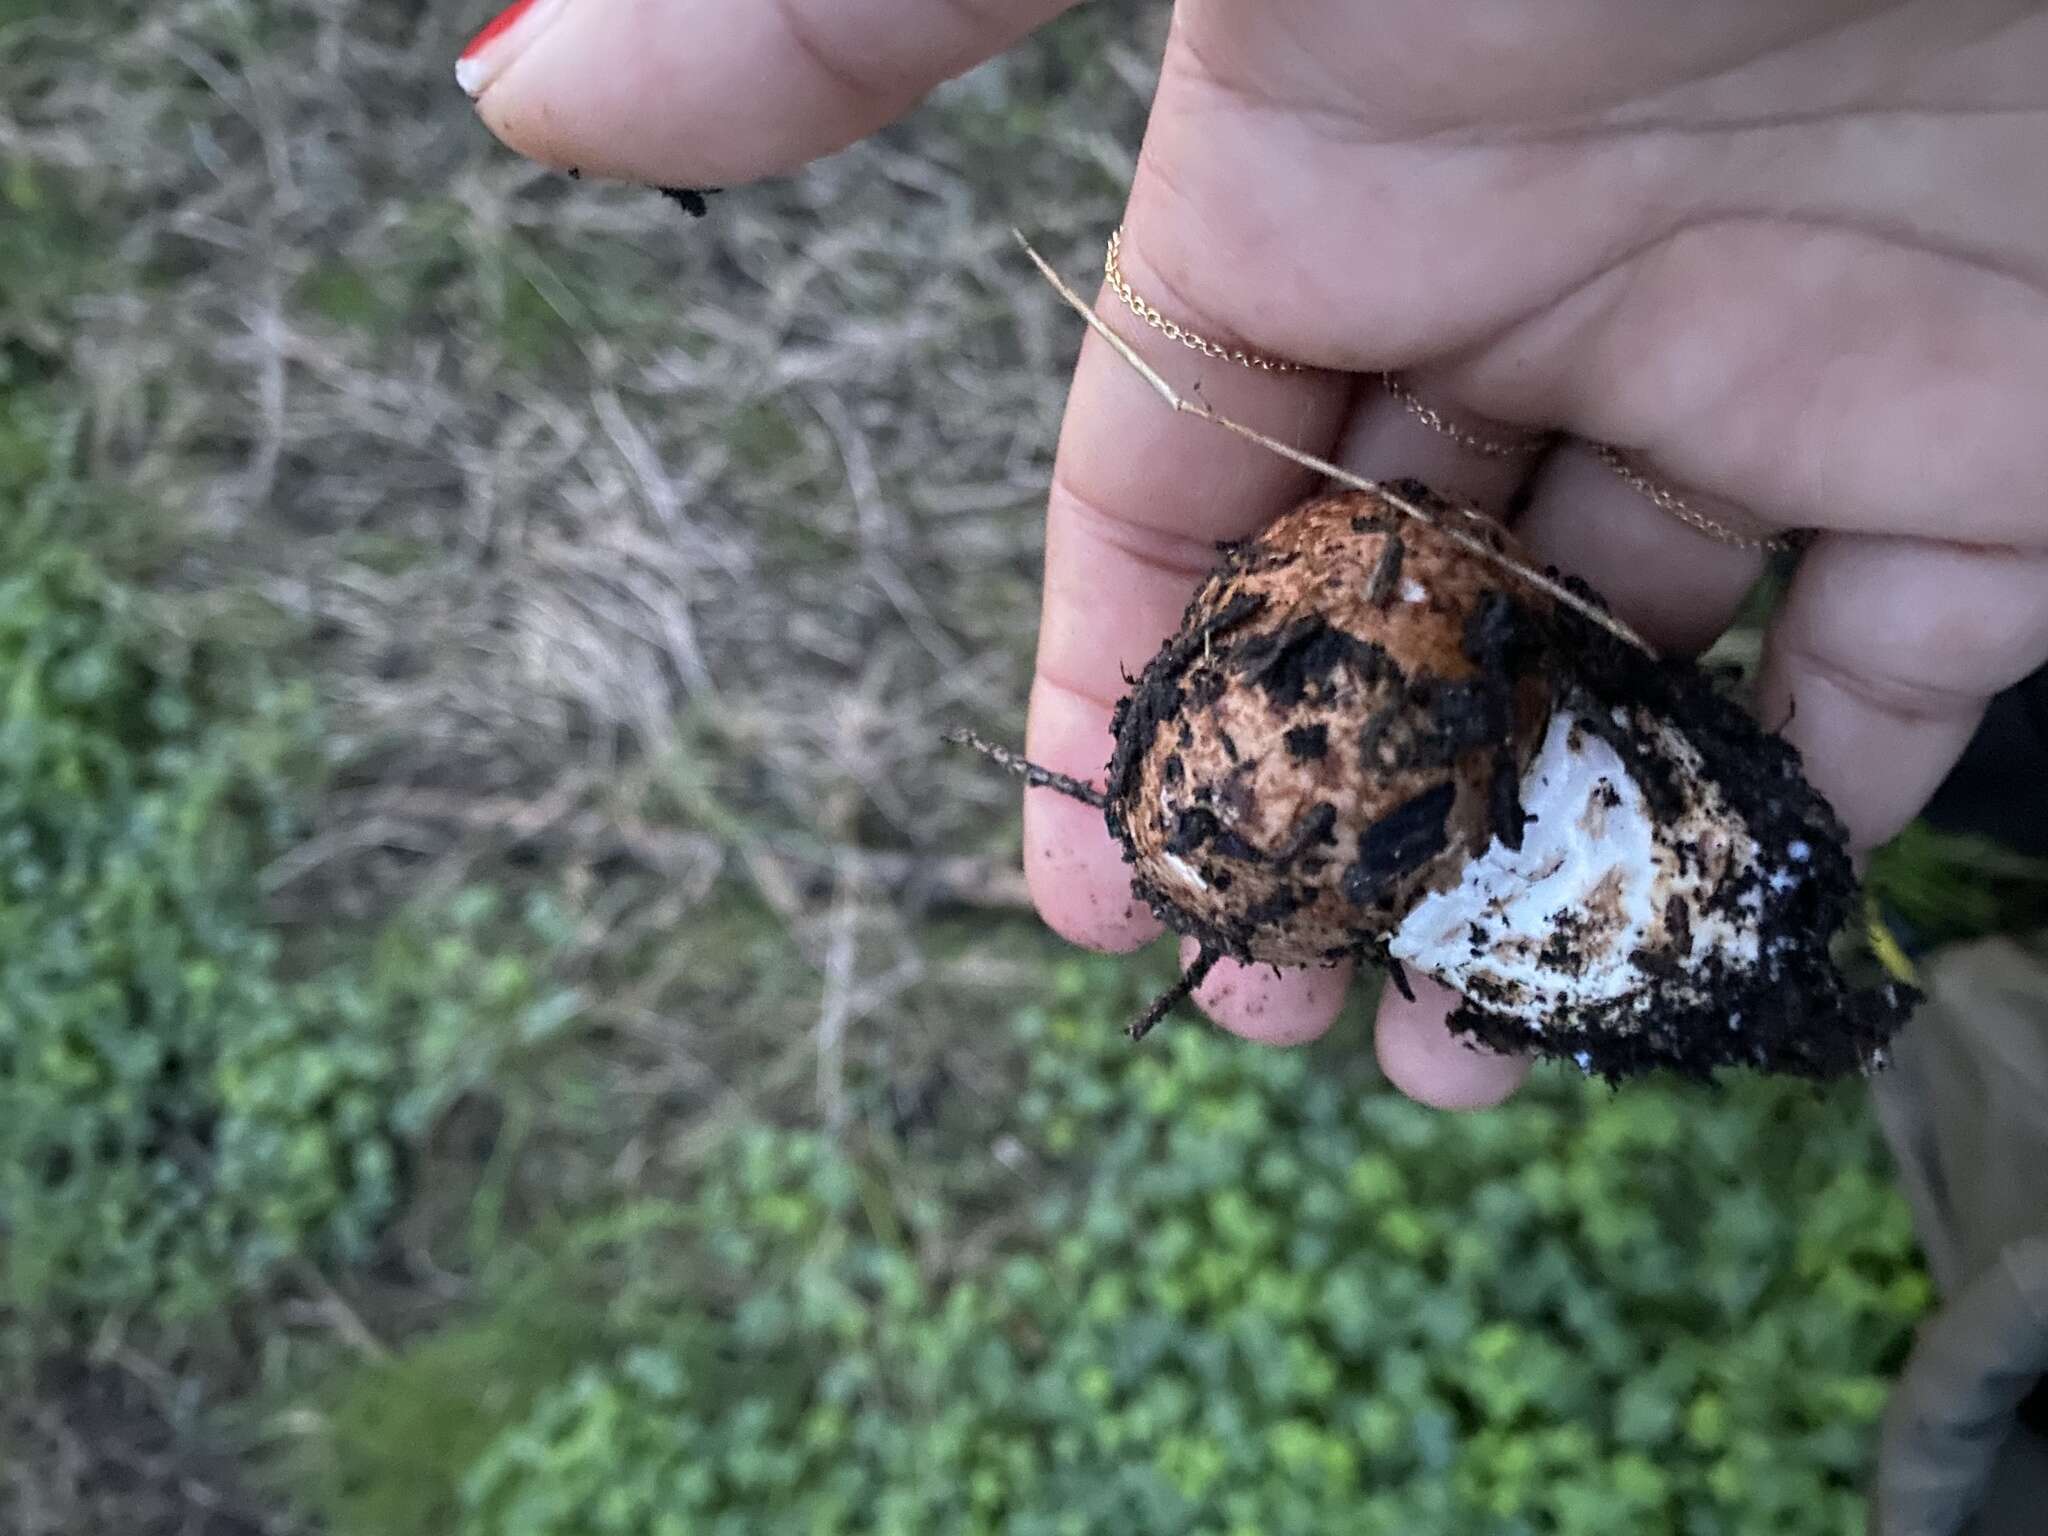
[(1966, 1111)]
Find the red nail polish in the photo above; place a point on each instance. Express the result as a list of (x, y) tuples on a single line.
[(498, 23)]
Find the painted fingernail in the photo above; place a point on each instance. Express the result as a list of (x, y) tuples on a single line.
[(492, 50)]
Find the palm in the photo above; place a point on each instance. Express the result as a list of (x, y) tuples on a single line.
[(1786, 257)]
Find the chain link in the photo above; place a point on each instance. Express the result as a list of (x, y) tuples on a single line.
[(1669, 501), (1523, 442), (1658, 495), (1113, 270)]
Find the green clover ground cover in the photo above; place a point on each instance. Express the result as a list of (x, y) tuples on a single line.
[(1243, 1291), (180, 1114)]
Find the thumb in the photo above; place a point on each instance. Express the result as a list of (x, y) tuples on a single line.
[(713, 92)]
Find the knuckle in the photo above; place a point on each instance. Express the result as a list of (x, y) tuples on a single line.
[(1158, 550)]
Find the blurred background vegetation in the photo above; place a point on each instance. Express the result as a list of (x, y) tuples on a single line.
[(510, 1025)]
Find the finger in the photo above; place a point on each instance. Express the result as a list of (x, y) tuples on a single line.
[(1139, 501), (1808, 364), (1677, 586), (1403, 427), (1288, 1007), (1141, 496), (1883, 657), (1422, 1058), (712, 92)]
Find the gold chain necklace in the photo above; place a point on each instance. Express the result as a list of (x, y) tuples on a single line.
[(1519, 442)]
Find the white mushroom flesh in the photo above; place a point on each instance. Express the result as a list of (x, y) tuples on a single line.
[(1563, 921)]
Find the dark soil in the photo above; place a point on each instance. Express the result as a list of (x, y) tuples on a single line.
[(690, 199)]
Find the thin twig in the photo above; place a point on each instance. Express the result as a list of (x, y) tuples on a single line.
[(1029, 772), (1379, 591), (1180, 403), (835, 1011), (1175, 995)]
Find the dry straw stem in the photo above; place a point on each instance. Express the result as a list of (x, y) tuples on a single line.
[(1342, 476), (1174, 996), (1033, 775)]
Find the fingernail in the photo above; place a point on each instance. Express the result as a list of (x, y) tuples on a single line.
[(492, 50)]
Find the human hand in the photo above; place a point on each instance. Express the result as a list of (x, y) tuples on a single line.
[(1792, 254)]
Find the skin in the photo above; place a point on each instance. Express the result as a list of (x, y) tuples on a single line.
[(1791, 254)]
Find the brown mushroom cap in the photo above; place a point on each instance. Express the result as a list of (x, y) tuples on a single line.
[(1341, 723)]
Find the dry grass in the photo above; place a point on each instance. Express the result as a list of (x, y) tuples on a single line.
[(610, 533), (639, 556)]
